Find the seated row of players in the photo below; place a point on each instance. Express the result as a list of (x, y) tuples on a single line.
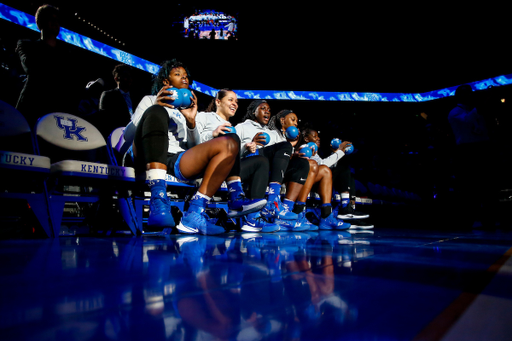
[(190, 145)]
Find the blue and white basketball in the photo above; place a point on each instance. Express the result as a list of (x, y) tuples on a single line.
[(335, 143), (313, 146), (306, 151)]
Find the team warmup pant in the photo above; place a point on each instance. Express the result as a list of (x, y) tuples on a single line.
[(342, 179)]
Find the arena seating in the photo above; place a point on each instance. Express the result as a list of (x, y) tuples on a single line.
[(81, 172), (119, 145), (87, 169)]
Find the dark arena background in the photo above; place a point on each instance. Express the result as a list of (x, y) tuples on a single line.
[(436, 264)]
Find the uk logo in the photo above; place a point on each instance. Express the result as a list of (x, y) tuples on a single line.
[(70, 128)]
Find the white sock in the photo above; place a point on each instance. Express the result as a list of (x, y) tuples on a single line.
[(204, 196), (156, 174), (345, 199)]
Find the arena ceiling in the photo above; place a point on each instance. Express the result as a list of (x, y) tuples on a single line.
[(313, 46)]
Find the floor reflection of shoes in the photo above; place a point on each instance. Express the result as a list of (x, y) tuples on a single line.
[(361, 231), (333, 236), (360, 225), (291, 225)]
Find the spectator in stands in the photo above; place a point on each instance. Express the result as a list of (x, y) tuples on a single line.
[(116, 105), (186, 25), (90, 104), (47, 63), (231, 27)]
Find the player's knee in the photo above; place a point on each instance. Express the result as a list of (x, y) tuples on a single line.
[(285, 147), (313, 166), (230, 145), (325, 171), (156, 112), (235, 138)]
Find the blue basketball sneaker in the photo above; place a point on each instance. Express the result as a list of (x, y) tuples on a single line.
[(238, 204), (304, 221), (276, 210), (333, 223), (195, 220), (242, 206), (254, 222), (159, 205)]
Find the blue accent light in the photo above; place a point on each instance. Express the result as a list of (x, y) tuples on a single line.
[(26, 20)]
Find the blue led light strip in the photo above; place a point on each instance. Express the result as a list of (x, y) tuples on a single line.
[(26, 20)]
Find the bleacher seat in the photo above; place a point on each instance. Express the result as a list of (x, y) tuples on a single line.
[(121, 140), (80, 171)]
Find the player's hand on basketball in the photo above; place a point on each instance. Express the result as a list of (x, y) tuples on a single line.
[(164, 96), (221, 130), (344, 145), (260, 139), (191, 112), (297, 153)]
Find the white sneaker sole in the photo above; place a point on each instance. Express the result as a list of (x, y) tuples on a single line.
[(184, 229), (246, 209), (351, 216), (248, 228)]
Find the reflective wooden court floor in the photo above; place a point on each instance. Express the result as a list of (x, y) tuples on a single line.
[(385, 284)]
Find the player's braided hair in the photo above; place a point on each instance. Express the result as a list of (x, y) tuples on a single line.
[(275, 121)]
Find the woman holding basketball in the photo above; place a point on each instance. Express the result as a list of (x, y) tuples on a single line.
[(167, 141), (278, 151), (250, 172)]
